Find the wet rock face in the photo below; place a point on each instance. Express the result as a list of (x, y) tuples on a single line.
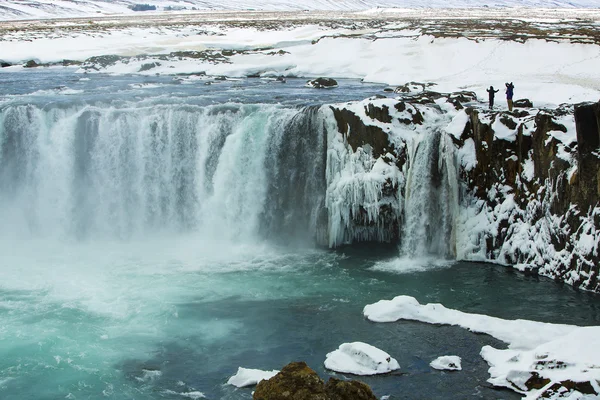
[(358, 134), (298, 381)]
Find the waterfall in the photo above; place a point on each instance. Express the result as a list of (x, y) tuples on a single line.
[(431, 200), (229, 171)]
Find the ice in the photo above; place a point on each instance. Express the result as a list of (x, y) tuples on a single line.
[(360, 358), (249, 377), (556, 352), (452, 363), (548, 73)]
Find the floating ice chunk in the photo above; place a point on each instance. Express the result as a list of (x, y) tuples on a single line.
[(248, 377), (451, 363), (360, 359)]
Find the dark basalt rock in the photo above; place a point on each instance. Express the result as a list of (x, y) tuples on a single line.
[(379, 113), (31, 64), (565, 388), (508, 122), (104, 61), (587, 122), (149, 66), (297, 381), (4, 64), (322, 83), (522, 103), (406, 88), (358, 134)]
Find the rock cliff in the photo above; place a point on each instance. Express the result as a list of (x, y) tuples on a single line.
[(439, 173)]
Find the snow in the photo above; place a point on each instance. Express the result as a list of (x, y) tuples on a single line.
[(452, 363), (360, 358), (249, 377), (519, 334), (17, 9), (457, 125), (467, 155), (555, 352), (548, 72)]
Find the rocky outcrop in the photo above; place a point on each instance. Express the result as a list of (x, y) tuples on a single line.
[(540, 191), (297, 381), (322, 83)]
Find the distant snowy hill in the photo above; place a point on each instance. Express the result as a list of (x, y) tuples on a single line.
[(34, 9)]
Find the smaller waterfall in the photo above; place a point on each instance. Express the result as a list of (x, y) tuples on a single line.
[(431, 200)]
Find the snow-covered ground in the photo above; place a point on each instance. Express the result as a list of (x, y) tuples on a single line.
[(552, 56), (34, 9), (542, 359)]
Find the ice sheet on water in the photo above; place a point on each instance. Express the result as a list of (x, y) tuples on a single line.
[(556, 352)]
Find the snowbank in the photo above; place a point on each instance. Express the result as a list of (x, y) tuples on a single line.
[(249, 377), (542, 358), (360, 358)]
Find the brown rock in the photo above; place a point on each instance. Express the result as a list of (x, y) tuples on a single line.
[(297, 381), (348, 390)]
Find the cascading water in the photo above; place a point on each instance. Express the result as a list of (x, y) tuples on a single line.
[(431, 200), (100, 171)]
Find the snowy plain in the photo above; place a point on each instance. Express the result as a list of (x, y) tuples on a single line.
[(16, 9), (393, 50)]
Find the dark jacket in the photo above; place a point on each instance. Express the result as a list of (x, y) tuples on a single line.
[(509, 90)]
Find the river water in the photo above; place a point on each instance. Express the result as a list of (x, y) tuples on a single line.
[(121, 277)]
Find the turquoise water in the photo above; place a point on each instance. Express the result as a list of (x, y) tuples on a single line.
[(134, 262), (172, 317)]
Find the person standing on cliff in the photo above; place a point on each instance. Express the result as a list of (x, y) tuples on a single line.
[(491, 92), (509, 95)]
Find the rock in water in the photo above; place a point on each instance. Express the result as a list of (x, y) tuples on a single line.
[(295, 381), (298, 381), (348, 390), (322, 83)]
